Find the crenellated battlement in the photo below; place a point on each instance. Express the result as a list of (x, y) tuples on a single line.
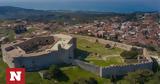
[(39, 52), (117, 70)]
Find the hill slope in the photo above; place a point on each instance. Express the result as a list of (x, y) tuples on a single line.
[(8, 12)]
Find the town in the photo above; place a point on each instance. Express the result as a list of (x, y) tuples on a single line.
[(107, 49)]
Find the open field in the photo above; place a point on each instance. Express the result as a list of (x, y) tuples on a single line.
[(96, 53), (3, 67), (73, 73), (107, 62), (96, 47), (7, 32)]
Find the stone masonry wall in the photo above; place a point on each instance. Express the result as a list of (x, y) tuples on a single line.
[(87, 66), (123, 70), (112, 70), (115, 70), (112, 43), (40, 60)]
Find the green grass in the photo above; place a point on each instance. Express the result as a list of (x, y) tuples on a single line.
[(0, 53), (96, 53), (3, 67), (8, 32), (123, 81), (29, 76), (96, 47), (72, 72), (30, 30), (33, 78), (75, 73), (107, 62)]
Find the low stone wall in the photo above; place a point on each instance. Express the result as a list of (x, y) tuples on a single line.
[(116, 70), (87, 66), (115, 44), (123, 70), (112, 43)]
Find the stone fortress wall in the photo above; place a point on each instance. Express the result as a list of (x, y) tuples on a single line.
[(63, 52), (88, 67), (112, 43), (116, 70), (37, 62), (60, 49), (123, 69)]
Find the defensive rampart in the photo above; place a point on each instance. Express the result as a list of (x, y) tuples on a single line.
[(116, 70)]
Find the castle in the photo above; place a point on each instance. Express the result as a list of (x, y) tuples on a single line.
[(116, 70), (39, 52)]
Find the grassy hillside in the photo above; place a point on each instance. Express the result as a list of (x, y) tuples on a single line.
[(96, 53)]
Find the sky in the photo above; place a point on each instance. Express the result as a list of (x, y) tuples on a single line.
[(87, 5)]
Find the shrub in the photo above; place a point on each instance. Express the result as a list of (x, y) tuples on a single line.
[(152, 48), (129, 54), (53, 72), (85, 81), (80, 81), (107, 46), (92, 81), (139, 76), (97, 41), (47, 75), (0, 53)]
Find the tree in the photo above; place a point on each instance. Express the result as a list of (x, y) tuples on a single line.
[(129, 54), (53, 72), (85, 81), (53, 68), (0, 53), (92, 81), (80, 81), (132, 77), (150, 47), (139, 76), (47, 75), (108, 46), (155, 79), (97, 41)]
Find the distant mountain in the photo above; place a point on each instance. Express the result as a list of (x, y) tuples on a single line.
[(73, 17), (9, 12)]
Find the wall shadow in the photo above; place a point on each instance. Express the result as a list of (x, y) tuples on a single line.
[(81, 54), (62, 77)]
